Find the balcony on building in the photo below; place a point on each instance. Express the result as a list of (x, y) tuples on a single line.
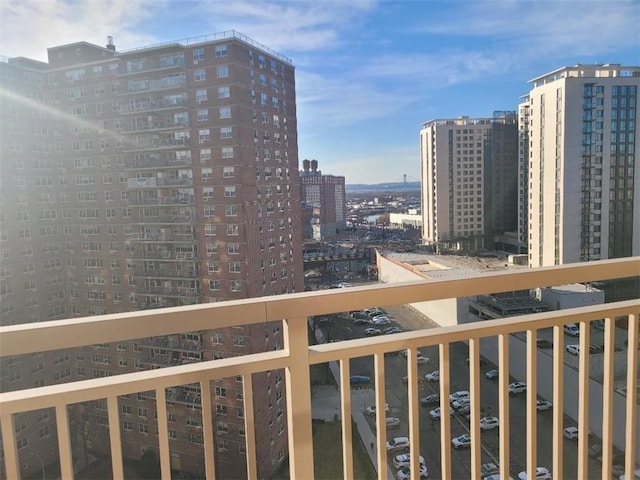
[(511, 343)]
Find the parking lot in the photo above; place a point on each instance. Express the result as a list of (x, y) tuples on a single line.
[(404, 317)]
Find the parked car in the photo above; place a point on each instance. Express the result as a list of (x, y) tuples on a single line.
[(594, 450), (433, 376), (373, 312), (636, 475), (404, 460), (517, 387), (571, 433), (542, 473), (542, 405), (488, 469), (392, 330), (361, 321), (359, 315), (359, 379), (458, 395), (572, 329), (422, 360), (405, 472), (372, 409), (489, 423), (462, 441), (544, 343), (398, 443), (573, 349), (492, 374), (392, 423), (433, 399), (461, 402), (435, 413), (394, 353), (381, 321), (372, 331)]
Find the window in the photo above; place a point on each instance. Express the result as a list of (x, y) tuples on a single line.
[(227, 152), (198, 54), (201, 95), (213, 266), (203, 115), (207, 173), (207, 193), (236, 286), (233, 248), (222, 71), (204, 134), (205, 154), (224, 92), (234, 267), (228, 172), (230, 191), (225, 112), (231, 211), (221, 51), (232, 230), (226, 132), (200, 75), (209, 229)]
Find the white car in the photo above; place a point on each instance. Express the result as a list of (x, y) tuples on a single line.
[(636, 475), (542, 473), (381, 321), (461, 441), (422, 360), (573, 349), (458, 395), (392, 422), (404, 460), (372, 409), (489, 423), (543, 405), (460, 403), (572, 329), (570, 432), (491, 374), (435, 413), (398, 443), (433, 376), (372, 331), (405, 472), (517, 387)]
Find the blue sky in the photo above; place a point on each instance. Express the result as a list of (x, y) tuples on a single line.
[(368, 73)]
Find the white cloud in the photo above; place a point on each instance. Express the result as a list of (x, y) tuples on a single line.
[(528, 29), (29, 27), (290, 26)]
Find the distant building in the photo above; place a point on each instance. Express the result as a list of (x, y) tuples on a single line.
[(583, 175), (469, 181), (324, 211)]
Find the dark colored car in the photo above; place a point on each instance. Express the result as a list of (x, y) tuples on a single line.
[(359, 379), (544, 343), (433, 399)]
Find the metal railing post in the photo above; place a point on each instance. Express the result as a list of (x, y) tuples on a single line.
[(298, 381)]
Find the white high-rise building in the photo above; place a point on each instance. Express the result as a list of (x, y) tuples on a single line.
[(469, 180), (584, 180)]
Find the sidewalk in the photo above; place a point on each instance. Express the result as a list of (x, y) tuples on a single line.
[(325, 401)]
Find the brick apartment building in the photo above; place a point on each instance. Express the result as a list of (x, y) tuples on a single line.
[(324, 211), (161, 176)]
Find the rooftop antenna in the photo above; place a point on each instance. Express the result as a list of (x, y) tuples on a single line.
[(110, 45)]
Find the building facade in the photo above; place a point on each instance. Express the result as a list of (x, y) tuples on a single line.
[(584, 180), (323, 202), (469, 170), (157, 177)]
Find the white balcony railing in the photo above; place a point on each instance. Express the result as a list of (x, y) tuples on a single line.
[(297, 355)]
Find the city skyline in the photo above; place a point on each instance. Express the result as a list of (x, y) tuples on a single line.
[(364, 70)]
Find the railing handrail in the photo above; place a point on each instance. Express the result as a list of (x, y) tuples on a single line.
[(77, 332)]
